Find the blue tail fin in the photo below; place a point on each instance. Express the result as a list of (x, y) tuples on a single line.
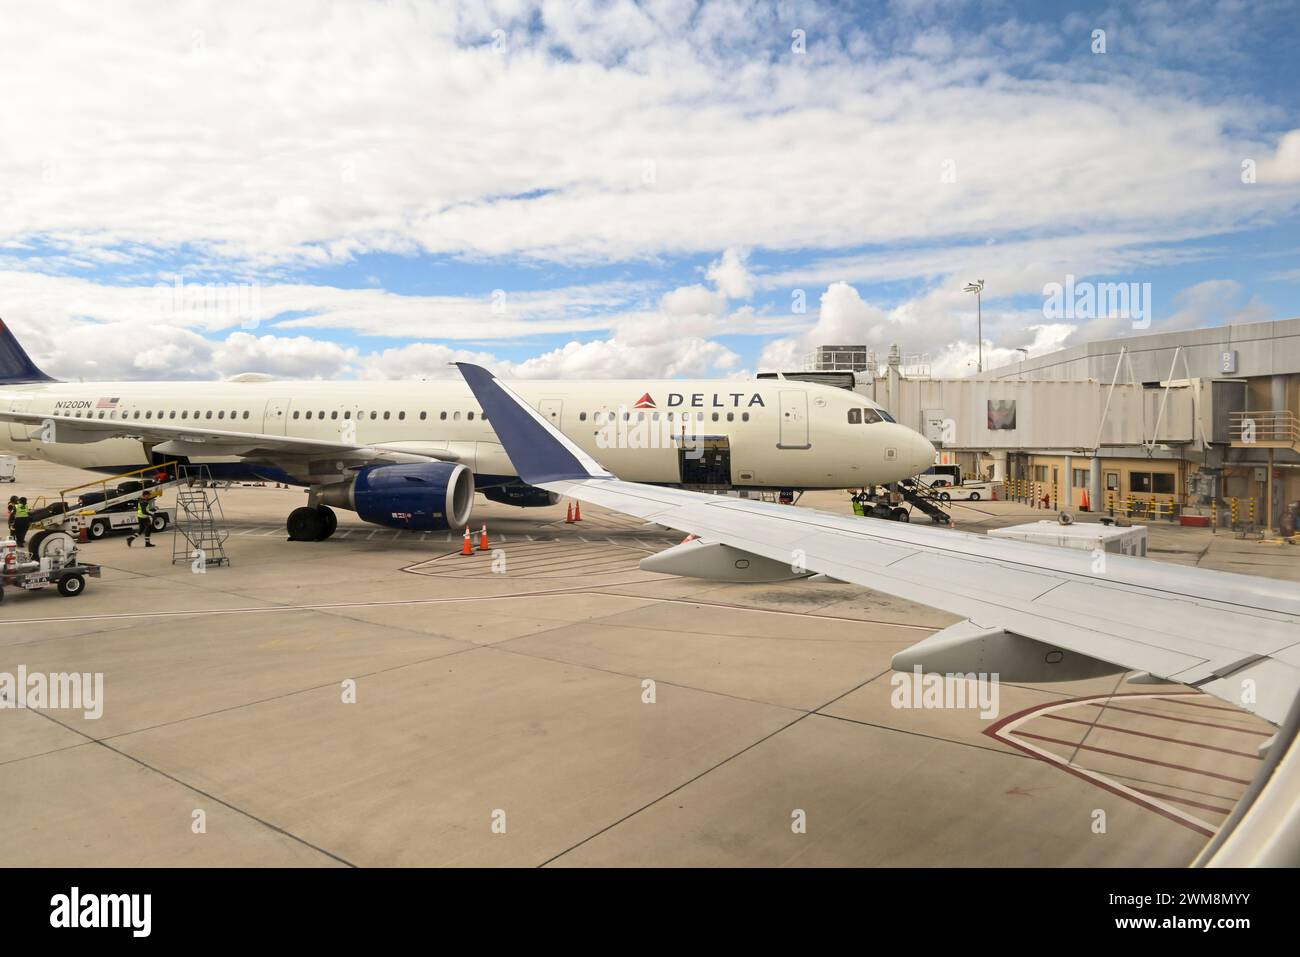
[(15, 365)]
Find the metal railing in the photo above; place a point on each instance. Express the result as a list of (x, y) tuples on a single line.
[(1273, 425)]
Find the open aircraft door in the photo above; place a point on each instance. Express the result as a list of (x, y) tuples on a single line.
[(794, 420), (276, 417)]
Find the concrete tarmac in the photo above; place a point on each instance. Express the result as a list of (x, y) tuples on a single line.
[(378, 699)]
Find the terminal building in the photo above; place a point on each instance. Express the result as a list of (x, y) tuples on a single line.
[(1200, 421)]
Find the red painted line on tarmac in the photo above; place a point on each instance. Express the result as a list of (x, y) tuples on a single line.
[(1171, 717), (1155, 737), (1095, 778), (1187, 801), (1196, 704), (1132, 757)]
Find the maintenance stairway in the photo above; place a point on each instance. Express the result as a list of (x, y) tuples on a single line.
[(921, 497), (200, 530)]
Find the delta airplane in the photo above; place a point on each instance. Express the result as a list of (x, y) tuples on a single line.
[(410, 455)]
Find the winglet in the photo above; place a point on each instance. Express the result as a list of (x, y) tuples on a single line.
[(540, 452)]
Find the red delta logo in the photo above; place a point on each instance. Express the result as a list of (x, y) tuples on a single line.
[(645, 402)]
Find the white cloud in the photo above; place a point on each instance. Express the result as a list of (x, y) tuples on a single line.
[(281, 134), (731, 275)]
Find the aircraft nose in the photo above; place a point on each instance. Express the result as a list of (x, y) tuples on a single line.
[(923, 452)]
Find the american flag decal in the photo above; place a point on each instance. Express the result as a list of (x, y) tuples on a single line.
[(106, 404)]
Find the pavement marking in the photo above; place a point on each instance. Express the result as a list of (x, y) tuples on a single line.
[(1006, 731)]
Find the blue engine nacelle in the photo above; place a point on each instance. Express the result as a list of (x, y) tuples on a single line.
[(427, 496), (517, 493)]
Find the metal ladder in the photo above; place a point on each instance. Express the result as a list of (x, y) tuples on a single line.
[(199, 532)]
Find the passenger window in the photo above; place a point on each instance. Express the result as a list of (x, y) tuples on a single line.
[(423, 416), (208, 414), (715, 417), (443, 416), (245, 413), (295, 415), (855, 416), (221, 414), (373, 416), (731, 417), (387, 416), (470, 416), (308, 414), (456, 416), (333, 416), (744, 416), (582, 417)]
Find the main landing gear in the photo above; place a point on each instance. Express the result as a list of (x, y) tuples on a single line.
[(311, 523)]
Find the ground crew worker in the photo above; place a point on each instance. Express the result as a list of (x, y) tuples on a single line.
[(22, 519), (13, 504), (144, 509)]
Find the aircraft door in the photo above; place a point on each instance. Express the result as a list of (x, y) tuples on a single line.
[(20, 431), (275, 420), (794, 420), (553, 410)]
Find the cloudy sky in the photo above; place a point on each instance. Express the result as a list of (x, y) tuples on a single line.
[(573, 188)]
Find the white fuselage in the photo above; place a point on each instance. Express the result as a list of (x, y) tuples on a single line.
[(777, 433)]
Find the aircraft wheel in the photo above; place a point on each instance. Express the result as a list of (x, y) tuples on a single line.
[(304, 525), (329, 521), (900, 515)]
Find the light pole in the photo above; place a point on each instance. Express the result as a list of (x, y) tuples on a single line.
[(977, 287)]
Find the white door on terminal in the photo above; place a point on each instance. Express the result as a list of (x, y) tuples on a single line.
[(794, 420), (553, 409)]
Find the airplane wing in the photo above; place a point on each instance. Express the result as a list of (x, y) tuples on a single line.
[(171, 439), (1031, 612)]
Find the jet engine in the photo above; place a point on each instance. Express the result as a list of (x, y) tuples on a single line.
[(426, 496)]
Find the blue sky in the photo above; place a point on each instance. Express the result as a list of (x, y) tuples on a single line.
[(616, 189)]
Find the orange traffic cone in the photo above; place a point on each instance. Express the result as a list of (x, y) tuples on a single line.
[(568, 516), (1085, 506), (577, 511), (83, 531), (467, 548), (482, 539)]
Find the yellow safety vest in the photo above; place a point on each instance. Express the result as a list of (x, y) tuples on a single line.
[(20, 511)]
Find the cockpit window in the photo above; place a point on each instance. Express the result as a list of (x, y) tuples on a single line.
[(885, 415), (855, 416), (870, 415)]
